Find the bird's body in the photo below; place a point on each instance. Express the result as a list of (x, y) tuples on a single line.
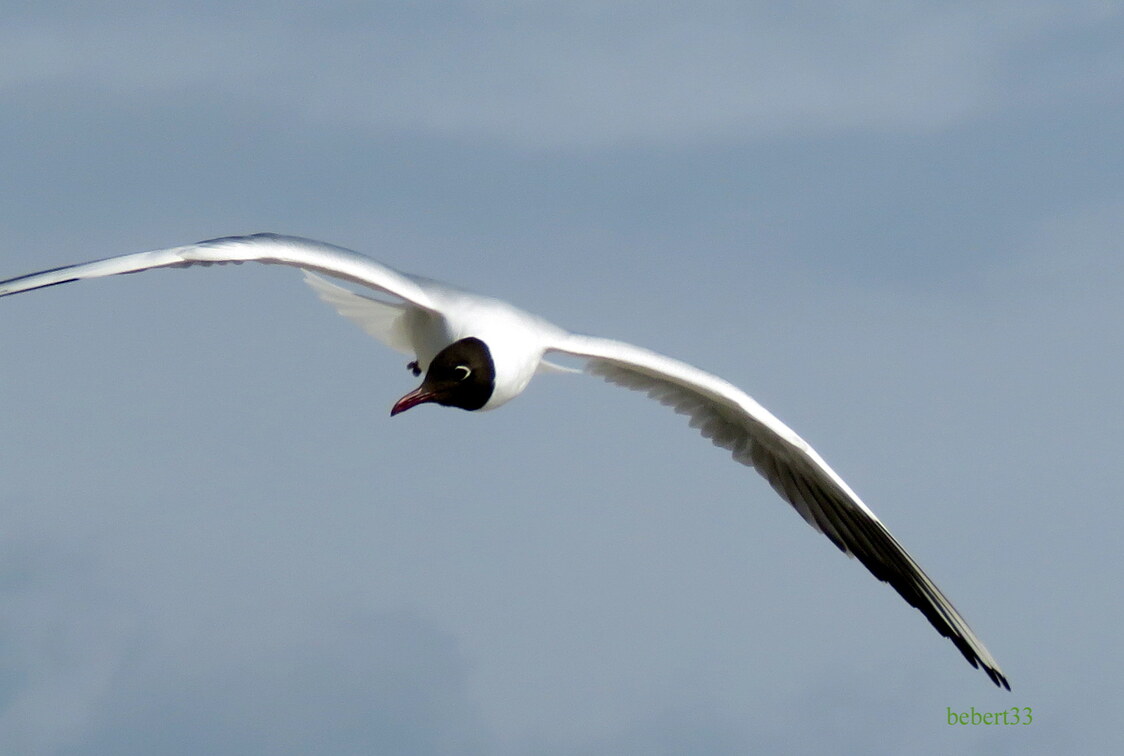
[(479, 353), (516, 339)]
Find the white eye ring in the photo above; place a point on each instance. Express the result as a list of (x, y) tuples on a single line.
[(463, 372)]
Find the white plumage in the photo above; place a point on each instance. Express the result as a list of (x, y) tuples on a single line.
[(423, 317)]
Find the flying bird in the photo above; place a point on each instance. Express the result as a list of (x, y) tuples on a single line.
[(478, 353)]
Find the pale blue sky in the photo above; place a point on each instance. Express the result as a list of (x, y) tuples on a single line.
[(899, 229)]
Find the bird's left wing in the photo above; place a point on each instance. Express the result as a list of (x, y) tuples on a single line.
[(733, 420), (264, 248)]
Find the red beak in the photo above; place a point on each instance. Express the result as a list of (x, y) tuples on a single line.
[(420, 395)]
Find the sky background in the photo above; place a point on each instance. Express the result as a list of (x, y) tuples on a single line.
[(899, 228)]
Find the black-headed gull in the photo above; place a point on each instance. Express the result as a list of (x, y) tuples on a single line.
[(478, 353)]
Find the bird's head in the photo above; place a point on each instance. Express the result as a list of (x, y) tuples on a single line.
[(461, 375)]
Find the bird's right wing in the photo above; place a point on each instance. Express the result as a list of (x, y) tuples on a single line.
[(264, 248), (385, 321)]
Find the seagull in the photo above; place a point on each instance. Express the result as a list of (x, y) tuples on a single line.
[(478, 353)]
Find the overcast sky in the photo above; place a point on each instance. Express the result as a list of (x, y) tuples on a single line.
[(896, 227)]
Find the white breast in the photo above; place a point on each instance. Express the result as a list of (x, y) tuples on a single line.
[(516, 339)]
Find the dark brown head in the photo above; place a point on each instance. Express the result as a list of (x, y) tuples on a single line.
[(461, 375)]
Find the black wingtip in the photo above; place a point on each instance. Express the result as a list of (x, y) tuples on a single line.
[(33, 288), (998, 678)]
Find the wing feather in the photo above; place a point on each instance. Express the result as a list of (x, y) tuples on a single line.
[(264, 248), (734, 421), (383, 320)]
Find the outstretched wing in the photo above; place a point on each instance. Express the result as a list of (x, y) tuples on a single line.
[(734, 421), (264, 248)]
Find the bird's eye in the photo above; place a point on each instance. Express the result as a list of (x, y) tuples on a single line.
[(462, 372)]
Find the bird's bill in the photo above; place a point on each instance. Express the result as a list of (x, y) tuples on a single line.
[(420, 395)]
